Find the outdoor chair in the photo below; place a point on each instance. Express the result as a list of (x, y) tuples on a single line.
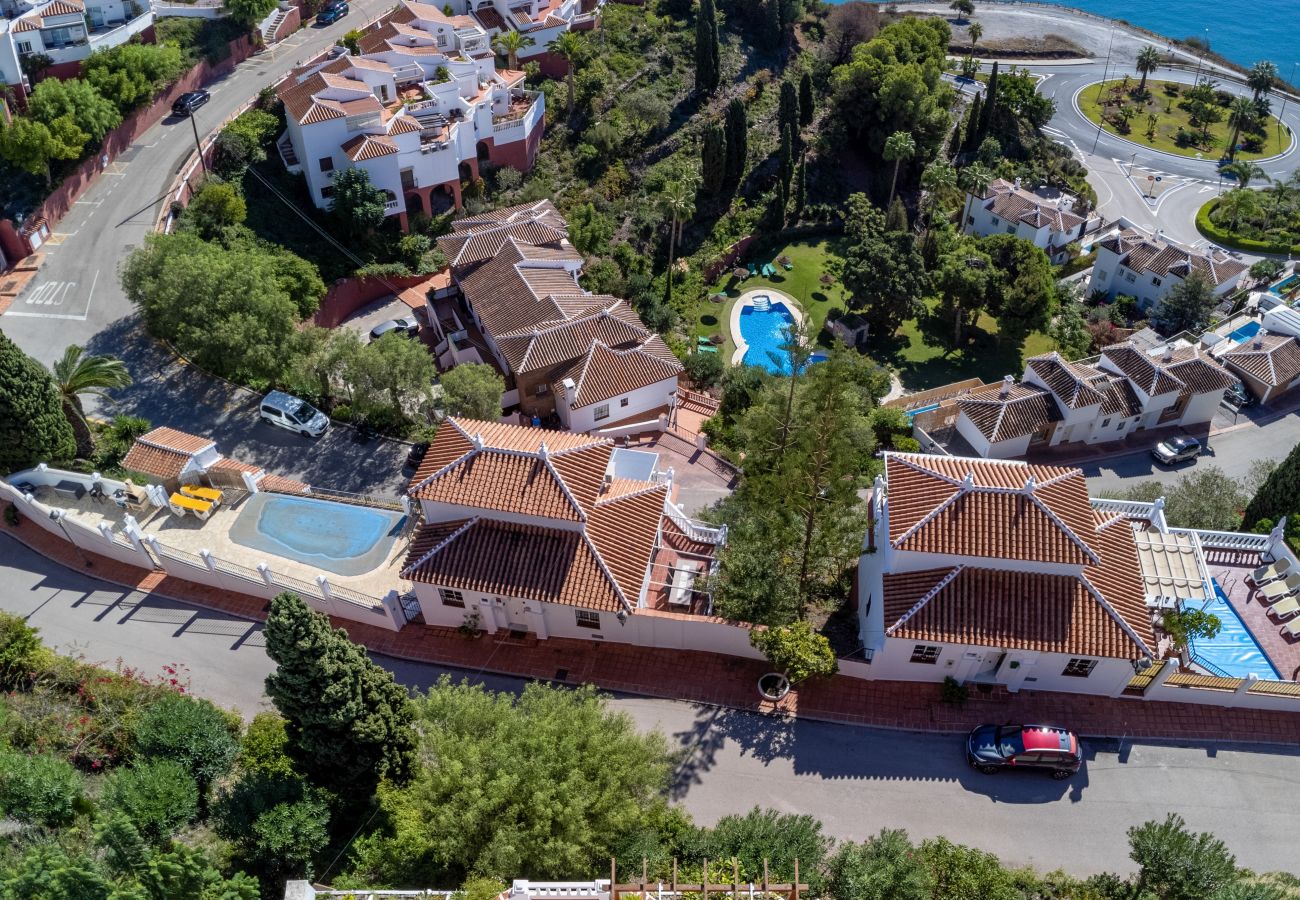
[(1285, 609), (198, 492), (1292, 629), (1276, 590), (1271, 572)]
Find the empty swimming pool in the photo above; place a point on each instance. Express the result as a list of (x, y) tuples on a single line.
[(337, 537), (1234, 651)]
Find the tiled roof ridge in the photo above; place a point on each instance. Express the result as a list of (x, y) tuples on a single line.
[(650, 486), (1118, 517), (438, 547), (537, 332), (1069, 532), (144, 439), (926, 598), (1111, 611), (545, 456), (910, 458), (488, 228), (600, 561), (586, 363)]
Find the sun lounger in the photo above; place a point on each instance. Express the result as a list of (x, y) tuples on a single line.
[(752, 271), (181, 505), (198, 492), (1292, 628), (1271, 572), (1285, 609), (1276, 590), (788, 266), (707, 348)]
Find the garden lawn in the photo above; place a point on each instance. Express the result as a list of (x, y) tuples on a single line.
[(1171, 117)]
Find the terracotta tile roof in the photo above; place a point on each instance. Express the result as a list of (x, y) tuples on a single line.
[(180, 441), (341, 82), (466, 247), (165, 464), (27, 23), (542, 210), (377, 41), (1161, 257), (550, 344), (368, 146), (375, 65), (360, 106), (1024, 409), (623, 529), (300, 101), (1075, 386), (1273, 359), (64, 8), (503, 300), (1121, 400), (234, 465), (1141, 369), (426, 12), (985, 508), (404, 125), (490, 19), (604, 373), (282, 485), (1004, 199), (1198, 372)]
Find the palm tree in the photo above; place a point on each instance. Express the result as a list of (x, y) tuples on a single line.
[(1126, 114), (1148, 60), (76, 374), (939, 180), (974, 180), (510, 43), (898, 147), (572, 47), (976, 31), (1237, 204), (677, 200), (1243, 172), (1241, 114), (1261, 77)]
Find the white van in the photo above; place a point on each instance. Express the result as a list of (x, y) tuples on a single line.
[(289, 412)]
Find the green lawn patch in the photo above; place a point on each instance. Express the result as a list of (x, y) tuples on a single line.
[(1098, 100)]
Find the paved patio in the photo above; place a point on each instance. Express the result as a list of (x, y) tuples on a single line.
[(1230, 571)]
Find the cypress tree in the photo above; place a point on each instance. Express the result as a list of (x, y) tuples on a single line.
[(707, 56), (348, 722), (33, 428), (973, 126), (782, 201), (990, 101), (786, 168), (954, 142), (788, 110), (806, 102), (800, 188), (773, 27), (896, 217), (737, 128), (1279, 495), (713, 159)]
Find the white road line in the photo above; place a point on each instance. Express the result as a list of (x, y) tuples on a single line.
[(31, 315)]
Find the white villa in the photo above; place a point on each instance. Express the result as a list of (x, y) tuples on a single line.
[(1148, 267), (1051, 224), (538, 21), (67, 31)]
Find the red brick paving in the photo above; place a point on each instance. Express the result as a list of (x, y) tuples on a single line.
[(724, 680)]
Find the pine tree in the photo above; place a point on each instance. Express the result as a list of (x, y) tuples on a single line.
[(713, 159), (707, 54), (807, 105), (1279, 495), (33, 428), (788, 112), (348, 722), (990, 102), (737, 127), (973, 126)]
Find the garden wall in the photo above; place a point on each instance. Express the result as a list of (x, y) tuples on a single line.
[(347, 295)]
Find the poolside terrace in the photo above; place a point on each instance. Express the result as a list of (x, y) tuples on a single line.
[(1230, 569)]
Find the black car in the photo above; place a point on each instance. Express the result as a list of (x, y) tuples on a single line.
[(416, 456), (331, 14), (1176, 450), (1044, 748), (189, 101), (1239, 396)]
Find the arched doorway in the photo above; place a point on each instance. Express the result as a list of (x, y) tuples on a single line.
[(415, 203), (466, 172), (483, 152)]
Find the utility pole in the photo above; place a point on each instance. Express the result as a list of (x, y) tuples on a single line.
[(1205, 48), (197, 144), (1285, 97), (1101, 111)]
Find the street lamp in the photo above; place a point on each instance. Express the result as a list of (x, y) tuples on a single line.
[(1205, 48), (57, 518), (1105, 70), (1285, 95)]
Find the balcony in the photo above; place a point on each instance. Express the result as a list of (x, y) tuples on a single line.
[(106, 36), (521, 103)]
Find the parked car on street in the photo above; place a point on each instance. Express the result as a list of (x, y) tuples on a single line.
[(1042, 748), (1239, 396), (189, 101), (332, 13), (1176, 450), (293, 414), (405, 326)]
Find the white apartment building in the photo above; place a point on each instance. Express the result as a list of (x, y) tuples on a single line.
[(539, 21), (419, 109), (67, 31), (1050, 224), (1148, 267)]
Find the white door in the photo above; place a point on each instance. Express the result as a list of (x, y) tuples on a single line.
[(516, 614), (988, 666)]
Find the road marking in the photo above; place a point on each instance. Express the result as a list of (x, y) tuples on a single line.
[(1205, 189), (52, 293), (88, 202)]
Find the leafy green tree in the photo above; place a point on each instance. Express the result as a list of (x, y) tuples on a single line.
[(766, 834), (1205, 497), (1183, 624), (1186, 307), (807, 103), (572, 47), (32, 146), (263, 750), (349, 723), (1278, 495), (22, 654), (713, 159), (38, 789), (392, 373), (558, 779), (898, 147), (964, 873), (473, 391), (249, 12), (883, 867), (964, 8), (158, 796), (128, 75), (708, 53), (191, 732), (76, 375), (33, 428), (796, 651), (76, 101), (216, 207), (883, 271), (278, 823), (962, 280), (45, 871), (1148, 60), (1177, 864), (737, 129), (1266, 269), (182, 871), (590, 229), (704, 369), (1070, 330), (1022, 293), (358, 205)]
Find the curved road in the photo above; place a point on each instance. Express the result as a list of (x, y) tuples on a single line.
[(856, 780)]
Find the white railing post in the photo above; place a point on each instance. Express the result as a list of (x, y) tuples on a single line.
[(1246, 683), (250, 483), (324, 584), (265, 571), (106, 530), (406, 504), (208, 560)]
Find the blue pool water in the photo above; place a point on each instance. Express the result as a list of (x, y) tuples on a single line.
[(912, 413), (765, 330), (1233, 651), (1286, 286), (1245, 332), (336, 537)]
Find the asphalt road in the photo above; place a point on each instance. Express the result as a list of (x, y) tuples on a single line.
[(856, 780)]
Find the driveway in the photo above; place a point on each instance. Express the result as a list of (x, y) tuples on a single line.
[(856, 780)]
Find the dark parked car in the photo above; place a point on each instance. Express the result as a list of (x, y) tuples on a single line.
[(405, 326), (416, 456), (331, 14), (1239, 396), (189, 101), (1044, 748), (1176, 450)]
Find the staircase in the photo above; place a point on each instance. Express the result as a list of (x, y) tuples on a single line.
[(272, 24), (761, 304)]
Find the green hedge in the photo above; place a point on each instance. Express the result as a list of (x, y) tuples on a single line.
[(1221, 235)]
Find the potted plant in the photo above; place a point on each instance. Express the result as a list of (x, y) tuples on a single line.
[(470, 626), (796, 653)]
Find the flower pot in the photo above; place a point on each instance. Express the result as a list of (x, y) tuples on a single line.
[(773, 686)]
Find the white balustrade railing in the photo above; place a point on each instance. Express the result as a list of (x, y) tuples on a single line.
[(1135, 508), (1226, 540), (705, 534)]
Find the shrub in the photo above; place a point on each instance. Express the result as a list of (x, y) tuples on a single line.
[(38, 789), (1221, 235), (21, 651), (190, 732), (158, 797), (953, 692), (905, 444), (796, 650), (262, 749)]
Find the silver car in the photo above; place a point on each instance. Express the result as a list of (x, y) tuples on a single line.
[(1176, 450), (293, 414)]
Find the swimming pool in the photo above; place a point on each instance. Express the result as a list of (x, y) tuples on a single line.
[(1234, 651), (1286, 286), (1245, 332), (765, 330), (337, 537)]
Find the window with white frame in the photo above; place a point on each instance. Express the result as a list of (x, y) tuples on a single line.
[(451, 598), (326, 163), (622, 401), (601, 412), (1079, 667), (586, 618), (925, 653)]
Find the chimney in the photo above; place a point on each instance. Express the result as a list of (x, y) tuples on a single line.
[(1007, 382), (1017, 182), (1169, 351)]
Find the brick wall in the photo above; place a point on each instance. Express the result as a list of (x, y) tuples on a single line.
[(292, 22), (347, 295)]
